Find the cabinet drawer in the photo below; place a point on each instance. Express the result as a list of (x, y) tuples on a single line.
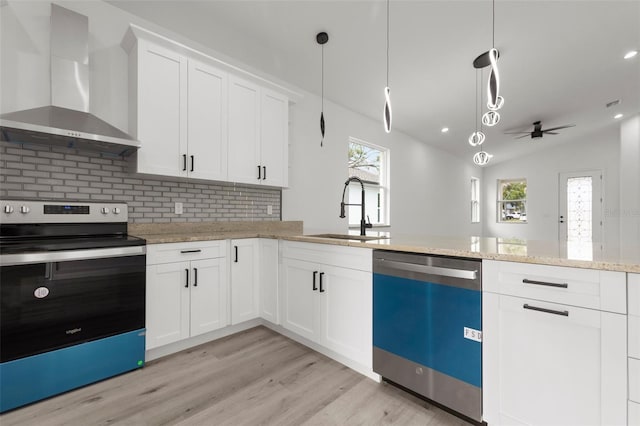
[(177, 252), (588, 288), (328, 254), (634, 380), (634, 294), (634, 336)]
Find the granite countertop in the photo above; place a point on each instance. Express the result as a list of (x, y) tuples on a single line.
[(577, 255)]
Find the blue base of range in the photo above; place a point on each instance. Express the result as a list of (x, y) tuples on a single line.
[(33, 378)]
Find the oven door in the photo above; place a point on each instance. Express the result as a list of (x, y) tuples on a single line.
[(53, 300)]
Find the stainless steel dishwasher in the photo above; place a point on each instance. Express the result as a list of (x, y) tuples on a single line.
[(427, 327)]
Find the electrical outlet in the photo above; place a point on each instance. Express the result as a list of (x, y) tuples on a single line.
[(178, 208), (269, 209)]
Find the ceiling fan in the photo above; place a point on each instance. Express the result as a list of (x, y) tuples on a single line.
[(538, 131)]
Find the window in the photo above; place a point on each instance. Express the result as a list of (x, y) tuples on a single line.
[(475, 200), (512, 201), (370, 163)]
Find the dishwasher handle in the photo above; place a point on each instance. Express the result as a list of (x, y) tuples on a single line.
[(431, 270)]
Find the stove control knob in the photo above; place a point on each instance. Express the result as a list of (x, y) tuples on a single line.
[(8, 209), (105, 210), (116, 210), (25, 209)]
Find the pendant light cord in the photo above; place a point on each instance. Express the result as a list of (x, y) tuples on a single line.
[(387, 43), (493, 32), (322, 79), (476, 114)]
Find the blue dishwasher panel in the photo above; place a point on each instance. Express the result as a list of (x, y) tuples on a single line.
[(424, 322)]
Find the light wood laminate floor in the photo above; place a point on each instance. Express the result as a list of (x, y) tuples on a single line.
[(257, 377)]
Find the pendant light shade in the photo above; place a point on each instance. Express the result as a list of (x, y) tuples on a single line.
[(387, 115), (494, 100), (322, 38), (482, 158), (476, 138)]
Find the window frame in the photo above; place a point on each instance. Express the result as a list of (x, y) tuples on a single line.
[(382, 188), (500, 202)]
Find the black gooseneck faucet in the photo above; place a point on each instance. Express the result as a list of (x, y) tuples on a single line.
[(363, 224)]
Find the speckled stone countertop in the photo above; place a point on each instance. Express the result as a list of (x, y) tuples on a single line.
[(577, 255)]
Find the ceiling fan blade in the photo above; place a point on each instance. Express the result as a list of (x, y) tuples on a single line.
[(559, 127), (550, 133), (523, 136)]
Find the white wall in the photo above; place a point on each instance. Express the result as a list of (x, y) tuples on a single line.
[(429, 188), (599, 151), (629, 211)]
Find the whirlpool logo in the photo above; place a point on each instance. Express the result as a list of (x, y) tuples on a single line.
[(73, 331)]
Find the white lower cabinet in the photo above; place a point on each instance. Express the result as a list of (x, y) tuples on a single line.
[(244, 276), (268, 277), (326, 303), (188, 297), (550, 363)]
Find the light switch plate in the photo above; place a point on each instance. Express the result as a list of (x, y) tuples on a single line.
[(178, 208), (269, 209)]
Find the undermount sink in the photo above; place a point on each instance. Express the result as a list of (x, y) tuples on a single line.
[(348, 237)]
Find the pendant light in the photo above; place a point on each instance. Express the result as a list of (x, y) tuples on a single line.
[(387, 99), (494, 100), (477, 137), (322, 38)]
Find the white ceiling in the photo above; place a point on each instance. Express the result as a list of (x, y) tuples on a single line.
[(561, 61)]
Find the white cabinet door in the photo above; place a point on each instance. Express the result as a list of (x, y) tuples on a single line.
[(208, 295), (167, 304), (244, 132), (346, 298), (299, 309), (244, 280), (161, 109), (274, 124), (268, 278), (206, 153), (545, 368)]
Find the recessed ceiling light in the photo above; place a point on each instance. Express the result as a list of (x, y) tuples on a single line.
[(630, 54), (617, 116), (444, 130)]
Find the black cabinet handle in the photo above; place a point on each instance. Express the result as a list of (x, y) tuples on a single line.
[(321, 288), (264, 172), (192, 162), (195, 277), (548, 311), (186, 284), (315, 274), (184, 162), (191, 251), (560, 285), (236, 249), (259, 173)]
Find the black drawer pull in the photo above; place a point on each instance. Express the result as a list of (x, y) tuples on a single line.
[(236, 259), (192, 161), (184, 162), (259, 173), (195, 277), (315, 274), (321, 288), (560, 285), (548, 311), (191, 251), (264, 172), (186, 284)]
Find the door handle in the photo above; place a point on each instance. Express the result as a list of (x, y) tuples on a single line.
[(186, 284), (191, 251), (321, 288), (264, 172), (548, 284), (195, 277), (184, 162), (259, 173), (315, 274), (192, 162), (548, 311), (236, 250)]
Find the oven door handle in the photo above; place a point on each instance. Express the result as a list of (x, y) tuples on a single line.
[(70, 255)]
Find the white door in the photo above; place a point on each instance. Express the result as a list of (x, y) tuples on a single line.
[(244, 132), (268, 277), (244, 280), (580, 206), (167, 304), (161, 110), (346, 298), (298, 304), (563, 366), (209, 299), (207, 129), (274, 124)]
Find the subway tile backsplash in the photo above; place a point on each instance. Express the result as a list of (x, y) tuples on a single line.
[(61, 173)]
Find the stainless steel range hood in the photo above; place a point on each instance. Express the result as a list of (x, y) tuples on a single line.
[(67, 121)]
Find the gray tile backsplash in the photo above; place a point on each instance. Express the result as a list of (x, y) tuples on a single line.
[(61, 173)]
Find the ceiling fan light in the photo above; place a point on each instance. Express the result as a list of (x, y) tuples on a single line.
[(476, 138), (482, 158), (491, 118), (387, 110)]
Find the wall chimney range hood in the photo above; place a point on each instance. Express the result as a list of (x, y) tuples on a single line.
[(67, 121)]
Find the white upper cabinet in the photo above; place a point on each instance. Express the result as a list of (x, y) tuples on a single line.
[(196, 118), (206, 151)]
